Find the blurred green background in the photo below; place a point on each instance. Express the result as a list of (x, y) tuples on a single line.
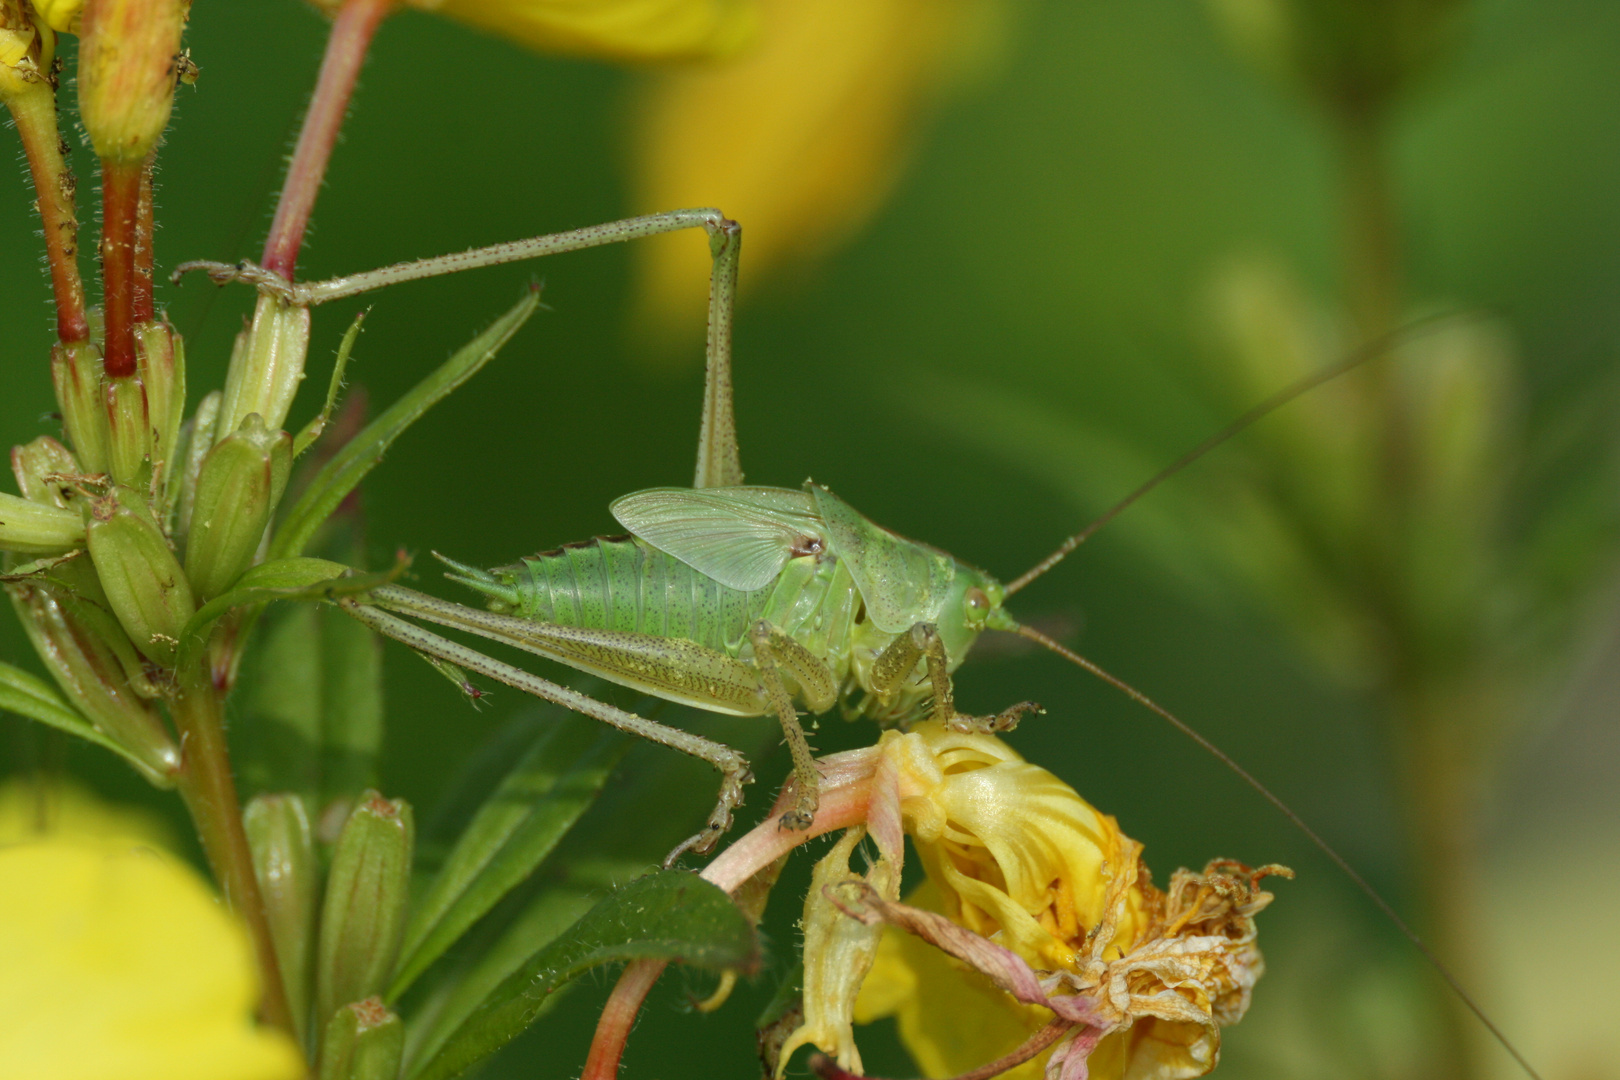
[(1029, 327)]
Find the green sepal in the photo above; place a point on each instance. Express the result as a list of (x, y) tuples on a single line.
[(30, 697), (44, 457), (363, 917), (671, 915), (37, 528), (144, 583), (364, 1041), (236, 492), (129, 428), (360, 455), (76, 377), (518, 826), (284, 861)]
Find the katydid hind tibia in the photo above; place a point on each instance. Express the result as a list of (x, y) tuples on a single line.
[(746, 600)]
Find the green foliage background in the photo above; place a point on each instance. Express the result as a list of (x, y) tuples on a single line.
[(1054, 240)]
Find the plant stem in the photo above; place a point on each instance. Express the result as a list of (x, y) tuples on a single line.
[(35, 114), (209, 791), (144, 308), (351, 36), (120, 209)]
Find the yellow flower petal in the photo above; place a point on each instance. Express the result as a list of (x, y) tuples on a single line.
[(117, 964), (28, 810), (800, 138), (615, 29)]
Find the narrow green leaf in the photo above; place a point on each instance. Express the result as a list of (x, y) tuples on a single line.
[(279, 579), (361, 454), (31, 697), (668, 915), (312, 430), (517, 827)]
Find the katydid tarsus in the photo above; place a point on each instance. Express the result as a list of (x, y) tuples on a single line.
[(748, 600)]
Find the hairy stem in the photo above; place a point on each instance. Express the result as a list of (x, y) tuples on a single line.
[(120, 210), (352, 32), (35, 114), (144, 308), (209, 791)]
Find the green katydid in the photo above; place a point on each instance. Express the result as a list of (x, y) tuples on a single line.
[(742, 599)]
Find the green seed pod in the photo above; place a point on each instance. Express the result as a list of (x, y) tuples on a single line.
[(145, 586), (267, 364), (363, 917), (94, 663), (364, 1041), (37, 467), (76, 375), (284, 861), (36, 528), (127, 74), (129, 429), (160, 362), (237, 489)]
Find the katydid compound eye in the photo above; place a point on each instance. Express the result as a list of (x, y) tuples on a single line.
[(977, 602)]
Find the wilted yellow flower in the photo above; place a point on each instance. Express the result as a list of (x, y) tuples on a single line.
[(116, 963), (801, 137), (617, 29)]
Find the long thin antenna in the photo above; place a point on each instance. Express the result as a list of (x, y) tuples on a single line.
[(1377, 347), (1322, 845)]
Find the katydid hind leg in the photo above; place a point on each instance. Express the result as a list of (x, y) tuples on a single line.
[(732, 766), (718, 460)]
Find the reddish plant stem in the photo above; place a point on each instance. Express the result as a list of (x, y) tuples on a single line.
[(352, 32), (619, 1016), (209, 791), (144, 308), (120, 207), (35, 114)]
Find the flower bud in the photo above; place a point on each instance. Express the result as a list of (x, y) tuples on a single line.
[(237, 489), (145, 586), (39, 468), (127, 74), (129, 428), (92, 660), (363, 917), (32, 528), (284, 861), (198, 443), (76, 375), (160, 364), (364, 1041), (267, 365)]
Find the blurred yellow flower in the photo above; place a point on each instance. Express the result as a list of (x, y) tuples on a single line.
[(801, 137), (116, 962), (615, 29), (30, 810)]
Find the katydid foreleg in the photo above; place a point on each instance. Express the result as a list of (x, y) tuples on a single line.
[(895, 665), (732, 766)]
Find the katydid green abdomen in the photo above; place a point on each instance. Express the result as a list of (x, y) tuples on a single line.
[(624, 585)]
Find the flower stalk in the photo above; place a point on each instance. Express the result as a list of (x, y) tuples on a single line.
[(352, 31)]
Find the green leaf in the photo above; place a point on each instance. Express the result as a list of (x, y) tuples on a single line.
[(360, 455), (518, 826), (279, 579), (31, 697), (667, 915)]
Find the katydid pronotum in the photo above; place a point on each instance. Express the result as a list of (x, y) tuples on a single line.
[(744, 600)]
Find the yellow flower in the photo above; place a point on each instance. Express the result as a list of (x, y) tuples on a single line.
[(116, 962), (615, 29), (799, 138), (1042, 883), (31, 811)]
